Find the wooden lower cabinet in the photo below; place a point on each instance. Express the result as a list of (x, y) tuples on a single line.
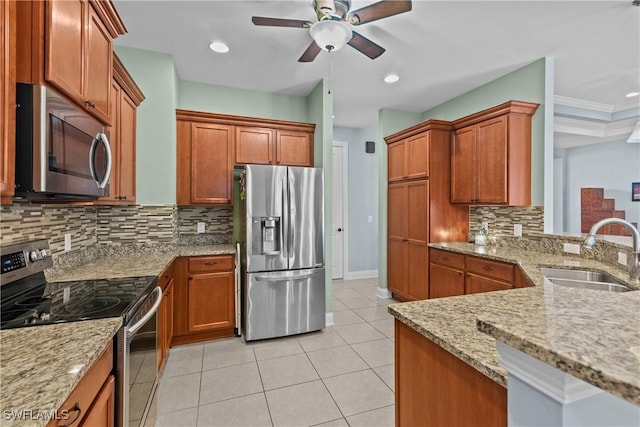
[(165, 314), (92, 401), (453, 274), (435, 388), (204, 304)]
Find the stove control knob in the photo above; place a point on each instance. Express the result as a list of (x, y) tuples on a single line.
[(45, 253), (34, 256)]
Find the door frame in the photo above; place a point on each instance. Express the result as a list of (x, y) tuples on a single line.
[(345, 206)]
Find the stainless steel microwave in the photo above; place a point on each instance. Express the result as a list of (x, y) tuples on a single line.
[(62, 152)]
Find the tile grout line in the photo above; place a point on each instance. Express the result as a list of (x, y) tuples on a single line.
[(264, 391)]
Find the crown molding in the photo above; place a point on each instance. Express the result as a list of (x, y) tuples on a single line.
[(581, 103)]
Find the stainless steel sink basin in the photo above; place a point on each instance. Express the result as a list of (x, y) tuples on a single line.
[(596, 286), (584, 279)]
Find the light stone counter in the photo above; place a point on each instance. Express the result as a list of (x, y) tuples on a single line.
[(41, 365), (126, 262), (592, 335), (36, 361)]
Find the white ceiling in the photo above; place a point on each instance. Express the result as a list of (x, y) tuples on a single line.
[(441, 49)]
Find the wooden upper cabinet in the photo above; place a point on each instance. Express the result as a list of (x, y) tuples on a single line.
[(254, 145), (491, 156), (7, 99), (68, 44), (125, 99), (294, 148), (211, 163), (409, 158)]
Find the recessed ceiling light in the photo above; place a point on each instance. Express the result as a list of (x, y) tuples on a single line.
[(632, 94), (219, 47), (391, 78)]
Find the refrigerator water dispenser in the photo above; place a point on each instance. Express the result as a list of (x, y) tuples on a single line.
[(266, 235)]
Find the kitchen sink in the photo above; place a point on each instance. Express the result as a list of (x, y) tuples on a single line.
[(584, 279)]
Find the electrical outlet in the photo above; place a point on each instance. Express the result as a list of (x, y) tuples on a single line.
[(485, 225), (572, 248), (67, 242), (200, 227), (370, 219), (622, 258), (517, 230)]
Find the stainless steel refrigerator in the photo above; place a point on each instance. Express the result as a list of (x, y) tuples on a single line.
[(282, 251)]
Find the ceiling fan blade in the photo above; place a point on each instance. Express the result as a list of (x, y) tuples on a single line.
[(310, 54), (279, 22), (379, 10), (366, 46)]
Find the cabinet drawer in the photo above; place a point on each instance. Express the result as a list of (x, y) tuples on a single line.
[(87, 389), (447, 258), (210, 263), (476, 284), (495, 269)]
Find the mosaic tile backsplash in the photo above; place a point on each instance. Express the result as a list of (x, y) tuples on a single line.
[(501, 219), (218, 225), (121, 225)]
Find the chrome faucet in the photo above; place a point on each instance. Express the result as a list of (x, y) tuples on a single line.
[(590, 242)]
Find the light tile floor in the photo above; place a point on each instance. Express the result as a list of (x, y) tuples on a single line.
[(341, 376)]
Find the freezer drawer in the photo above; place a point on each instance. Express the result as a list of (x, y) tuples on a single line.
[(283, 303)]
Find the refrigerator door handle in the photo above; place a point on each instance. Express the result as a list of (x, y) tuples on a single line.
[(287, 278), (291, 196)]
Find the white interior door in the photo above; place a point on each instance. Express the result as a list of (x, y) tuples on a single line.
[(338, 231)]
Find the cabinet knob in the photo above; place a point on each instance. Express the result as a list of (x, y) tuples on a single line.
[(488, 267), (210, 263), (90, 103), (190, 277), (445, 258)]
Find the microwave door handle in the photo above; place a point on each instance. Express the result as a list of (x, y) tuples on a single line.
[(101, 137)]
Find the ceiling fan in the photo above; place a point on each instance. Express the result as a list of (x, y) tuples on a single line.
[(334, 26)]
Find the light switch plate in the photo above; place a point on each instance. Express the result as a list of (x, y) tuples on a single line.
[(370, 219), (572, 248), (200, 227), (67, 242), (517, 230), (622, 258)]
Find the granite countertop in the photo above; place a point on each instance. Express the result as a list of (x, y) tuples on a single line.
[(41, 365), (592, 335), (132, 264)]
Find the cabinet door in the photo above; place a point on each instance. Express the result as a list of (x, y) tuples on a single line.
[(397, 266), (397, 211), (7, 99), (102, 410), (114, 142), (127, 149), (491, 161), (64, 49), (169, 315), (254, 146), (396, 161), (417, 270), (417, 156), (294, 148), (98, 52), (475, 284), (211, 301), (211, 163), (445, 281), (463, 167), (416, 210)]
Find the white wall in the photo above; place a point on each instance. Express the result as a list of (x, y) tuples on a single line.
[(363, 199), (612, 166)]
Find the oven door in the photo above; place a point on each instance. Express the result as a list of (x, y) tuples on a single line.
[(138, 363)]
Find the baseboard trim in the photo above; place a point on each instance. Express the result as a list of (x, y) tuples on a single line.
[(363, 274), (384, 293), (328, 319)]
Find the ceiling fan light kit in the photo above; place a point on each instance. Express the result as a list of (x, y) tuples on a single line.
[(331, 35), (219, 47), (333, 28)]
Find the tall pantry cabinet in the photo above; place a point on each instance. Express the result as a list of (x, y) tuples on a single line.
[(419, 210)]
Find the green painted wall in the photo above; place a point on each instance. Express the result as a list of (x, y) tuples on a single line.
[(241, 102), (524, 84), (320, 110), (389, 122), (156, 76)]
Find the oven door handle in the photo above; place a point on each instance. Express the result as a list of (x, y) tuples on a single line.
[(134, 328)]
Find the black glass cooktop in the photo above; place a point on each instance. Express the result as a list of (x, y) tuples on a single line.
[(74, 301)]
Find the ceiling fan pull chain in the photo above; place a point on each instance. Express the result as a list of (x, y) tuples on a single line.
[(330, 72)]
